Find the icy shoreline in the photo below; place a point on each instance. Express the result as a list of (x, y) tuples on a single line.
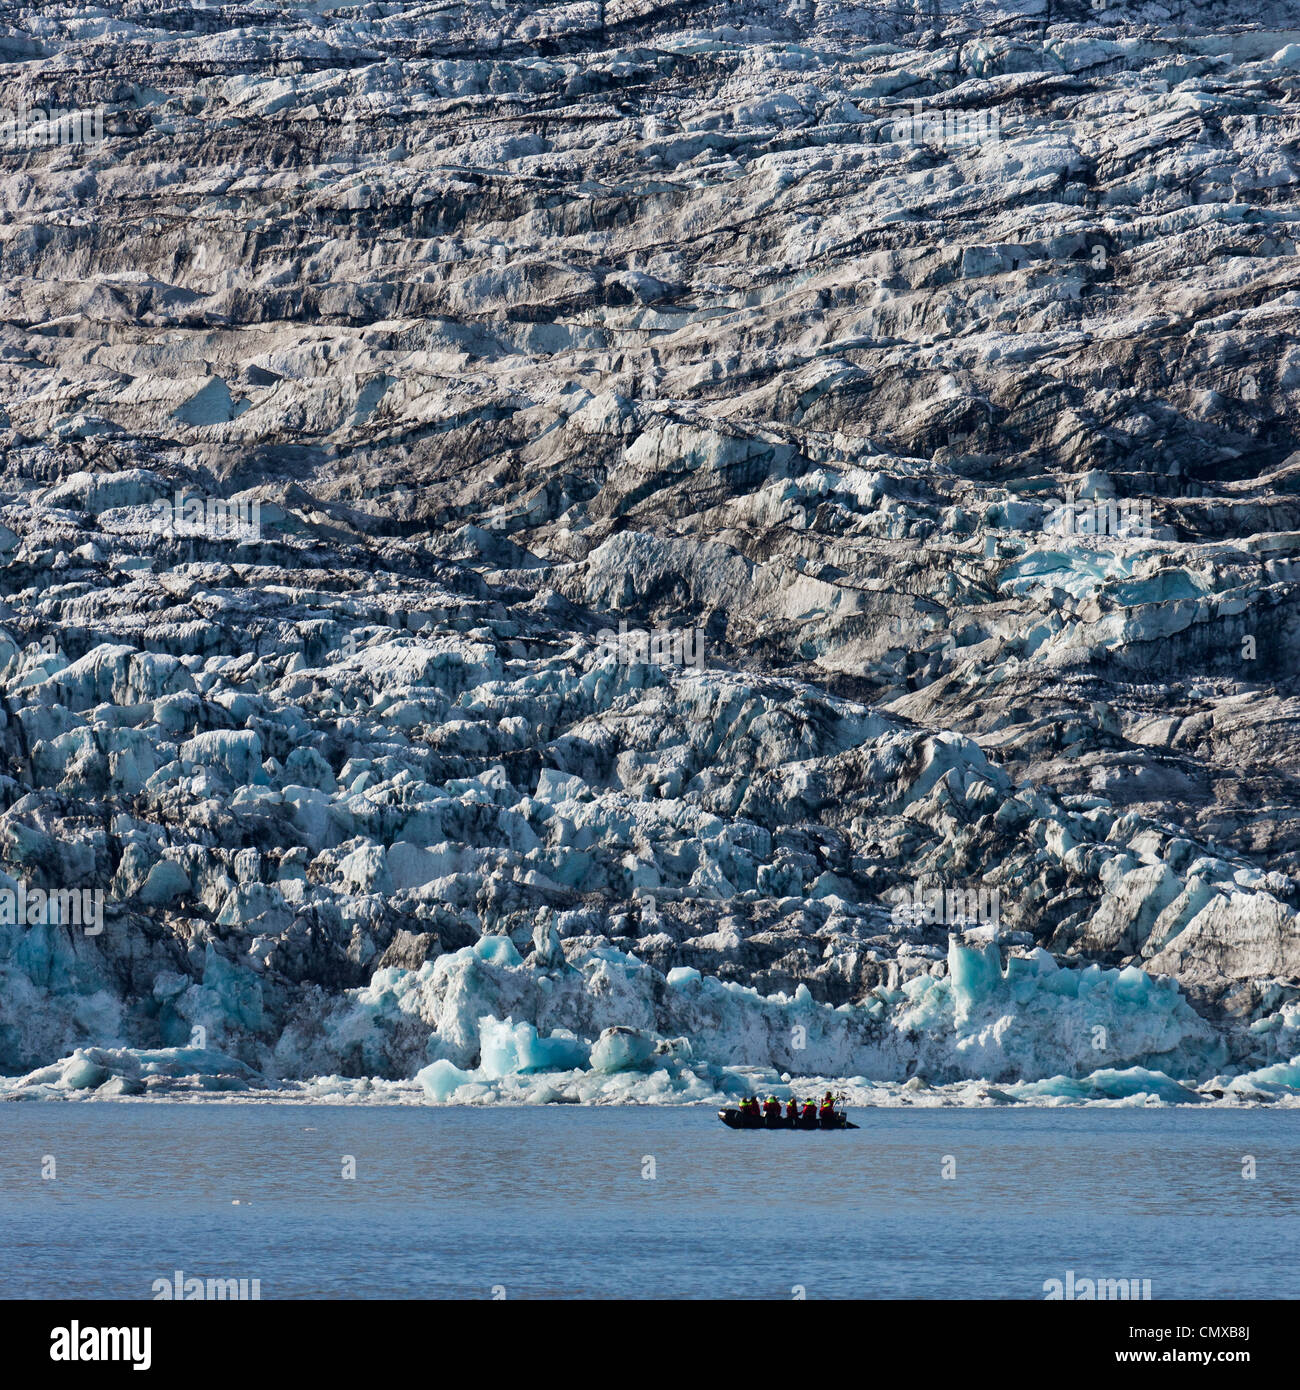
[(482, 1026), (1149, 1089)]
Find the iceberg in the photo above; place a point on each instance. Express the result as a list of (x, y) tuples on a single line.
[(506, 1048)]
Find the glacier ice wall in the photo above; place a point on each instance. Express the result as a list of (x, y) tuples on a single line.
[(529, 534)]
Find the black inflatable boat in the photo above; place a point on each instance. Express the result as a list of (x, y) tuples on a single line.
[(733, 1119)]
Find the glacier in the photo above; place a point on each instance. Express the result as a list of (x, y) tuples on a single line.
[(529, 534)]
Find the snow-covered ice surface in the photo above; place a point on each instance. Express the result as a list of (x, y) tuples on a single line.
[(482, 334)]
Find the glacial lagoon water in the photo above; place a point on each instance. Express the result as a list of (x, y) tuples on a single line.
[(642, 1202)]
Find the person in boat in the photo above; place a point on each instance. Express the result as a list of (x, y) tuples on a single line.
[(792, 1111), (826, 1112), (771, 1110), (809, 1116)]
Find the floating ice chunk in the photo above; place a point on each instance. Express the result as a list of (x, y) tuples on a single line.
[(80, 1072), (1281, 1075), (622, 1049), (1109, 1084), (441, 1078), (110, 1071)]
